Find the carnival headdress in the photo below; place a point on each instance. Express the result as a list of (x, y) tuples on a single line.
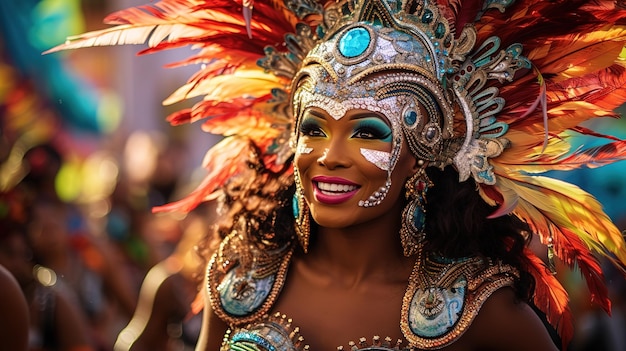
[(494, 87)]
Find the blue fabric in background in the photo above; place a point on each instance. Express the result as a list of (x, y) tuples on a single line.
[(30, 27)]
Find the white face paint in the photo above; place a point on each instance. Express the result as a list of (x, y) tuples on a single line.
[(389, 107), (303, 149), (380, 159)]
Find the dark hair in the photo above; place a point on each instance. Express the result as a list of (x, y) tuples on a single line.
[(457, 225), (256, 202)]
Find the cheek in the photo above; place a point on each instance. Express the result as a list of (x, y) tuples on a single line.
[(304, 157), (380, 159), (303, 149)]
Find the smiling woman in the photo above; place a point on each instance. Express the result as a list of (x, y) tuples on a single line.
[(378, 184), (348, 162)]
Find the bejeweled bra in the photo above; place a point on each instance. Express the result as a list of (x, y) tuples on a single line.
[(442, 299)]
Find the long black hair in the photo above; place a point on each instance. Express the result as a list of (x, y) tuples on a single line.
[(457, 225)]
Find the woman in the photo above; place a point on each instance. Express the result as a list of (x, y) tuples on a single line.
[(415, 129)]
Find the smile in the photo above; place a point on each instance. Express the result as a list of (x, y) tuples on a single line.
[(332, 190)]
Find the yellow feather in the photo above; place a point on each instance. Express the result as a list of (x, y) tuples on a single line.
[(585, 53), (253, 83), (566, 205)]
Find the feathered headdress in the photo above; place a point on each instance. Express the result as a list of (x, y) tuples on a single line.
[(515, 126)]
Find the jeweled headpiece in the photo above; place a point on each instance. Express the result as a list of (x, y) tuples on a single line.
[(496, 88), (404, 60)]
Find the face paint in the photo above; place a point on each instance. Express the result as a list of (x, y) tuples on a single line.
[(373, 128), (370, 127), (303, 149), (380, 159)]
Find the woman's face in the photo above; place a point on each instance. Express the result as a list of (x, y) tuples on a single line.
[(344, 161)]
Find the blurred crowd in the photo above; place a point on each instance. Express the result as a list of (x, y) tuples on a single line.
[(87, 265), (93, 279)]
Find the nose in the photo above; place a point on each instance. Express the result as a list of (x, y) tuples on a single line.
[(336, 155)]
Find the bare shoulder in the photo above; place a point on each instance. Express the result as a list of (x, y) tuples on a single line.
[(14, 316), (213, 328), (212, 332), (505, 323)]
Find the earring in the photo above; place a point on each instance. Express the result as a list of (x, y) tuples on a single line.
[(301, 214), (412, 233)]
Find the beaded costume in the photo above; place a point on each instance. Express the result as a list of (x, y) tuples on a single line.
[(493, 88), (442, 298)]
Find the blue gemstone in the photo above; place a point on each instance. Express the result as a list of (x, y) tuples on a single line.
[(354, 42), (419, 218), (410, 117), (440, 30), (427, 17), (295, 206)]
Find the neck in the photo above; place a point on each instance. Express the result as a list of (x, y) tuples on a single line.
[(368, 251)]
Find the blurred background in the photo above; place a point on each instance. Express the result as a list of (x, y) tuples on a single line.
[(86, 152)]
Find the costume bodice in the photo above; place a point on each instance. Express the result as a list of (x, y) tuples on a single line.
[(442, 298)]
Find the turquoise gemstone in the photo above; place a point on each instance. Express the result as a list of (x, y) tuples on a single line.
[(295, 207), (440, 31), (354, 42), (419, 218), (245, 336), (410, 117), (427, 17)]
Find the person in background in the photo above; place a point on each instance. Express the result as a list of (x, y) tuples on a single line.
[(164, 319), (83, 264), (14, 317), (55, 321)]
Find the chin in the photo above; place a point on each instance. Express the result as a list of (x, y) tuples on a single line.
[(333, 218)]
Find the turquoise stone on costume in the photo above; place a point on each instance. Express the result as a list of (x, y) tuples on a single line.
[(434, 311), (354, 42), (428, 16), (419, 218), (410, 118), (269, 334), (241, 295), (245, 337), (295, 206)]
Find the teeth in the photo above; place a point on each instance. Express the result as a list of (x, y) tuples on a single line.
[(336, 188)]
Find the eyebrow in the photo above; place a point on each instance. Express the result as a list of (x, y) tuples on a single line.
[(315, 113), (360, 115), (371, 114)]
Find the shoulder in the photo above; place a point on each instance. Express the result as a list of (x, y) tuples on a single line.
[(69, 321), (445, 297), (504, 322), (14, 316), (243, 281), (11, 296)]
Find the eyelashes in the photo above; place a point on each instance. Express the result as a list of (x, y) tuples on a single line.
[(365, 128), (310, 127), (372, 128)]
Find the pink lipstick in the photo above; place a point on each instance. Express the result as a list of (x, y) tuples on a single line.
[(333, 190)]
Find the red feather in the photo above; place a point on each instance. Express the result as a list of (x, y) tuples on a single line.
[(550, 294)]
